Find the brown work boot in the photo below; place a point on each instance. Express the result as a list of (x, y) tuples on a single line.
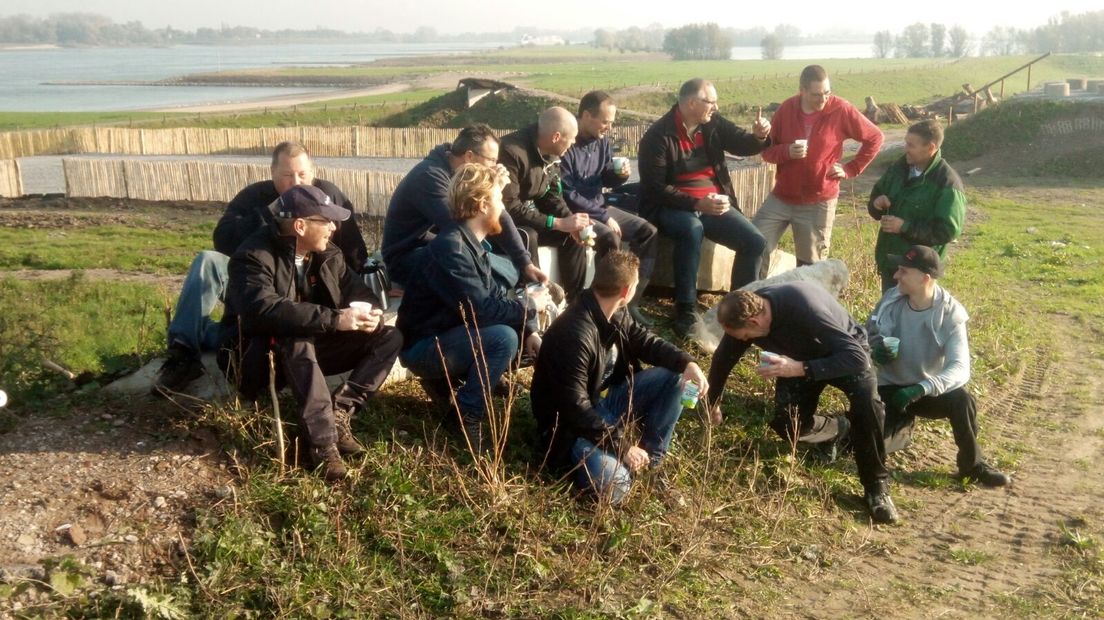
[(347, 444), (327, 461)]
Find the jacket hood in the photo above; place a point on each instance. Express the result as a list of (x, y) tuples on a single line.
[(949, 313)]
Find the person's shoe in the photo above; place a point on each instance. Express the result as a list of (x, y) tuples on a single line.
[(667, 490), (502, 388), (181, 367), (638, 316), (347, 444), (327, 460), (439, 392), (986, 475), (686, 319), (471, 434), (881, 505), (829, 451)]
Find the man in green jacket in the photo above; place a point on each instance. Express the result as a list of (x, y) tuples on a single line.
[(919, 200)]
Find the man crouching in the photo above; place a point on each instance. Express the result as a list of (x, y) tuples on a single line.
[(291, 289), (589, 390)]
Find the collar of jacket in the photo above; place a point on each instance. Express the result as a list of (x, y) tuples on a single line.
[(469, 238), (938, 159), (671, 123), (607, 328), (285, 245)]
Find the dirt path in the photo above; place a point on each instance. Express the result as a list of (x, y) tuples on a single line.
[(983, 552), (286, 101)]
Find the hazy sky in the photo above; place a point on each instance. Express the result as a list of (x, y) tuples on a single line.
[(452, 16)]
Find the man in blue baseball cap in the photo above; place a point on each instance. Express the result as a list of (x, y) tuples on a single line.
[(291, 290)]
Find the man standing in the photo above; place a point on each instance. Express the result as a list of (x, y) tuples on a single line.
[(589, 388), (291, 289), (534, 197), (460, 325), (807, 132), (588, 168), (419, 210), (919, 200), (686, 191), (918, 337), (192, 330), (809, 342)]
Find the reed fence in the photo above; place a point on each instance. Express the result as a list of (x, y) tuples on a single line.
[(405, 142), (11, 183)]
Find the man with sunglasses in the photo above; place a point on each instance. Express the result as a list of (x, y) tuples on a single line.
[(686, 191), (807, 135), (534, 198), (290, 291), (419, 210)]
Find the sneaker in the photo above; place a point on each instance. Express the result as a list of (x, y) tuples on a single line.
[(327, 461), (881, 505), (439, 392), (686, 319), (181, 367), (639, 317), (829, 451), (470, 433), (347, 444), (986, 475)]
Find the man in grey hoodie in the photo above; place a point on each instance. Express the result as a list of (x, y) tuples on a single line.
[(918, 339)]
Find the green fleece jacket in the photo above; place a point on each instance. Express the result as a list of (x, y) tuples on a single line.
[(932, 205)]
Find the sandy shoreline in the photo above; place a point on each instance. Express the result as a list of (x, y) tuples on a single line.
[(286, 101)]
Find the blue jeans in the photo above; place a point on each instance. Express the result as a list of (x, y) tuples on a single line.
[(655, 395), (400, 269), (204, 286), (730, 229), (458, 346)]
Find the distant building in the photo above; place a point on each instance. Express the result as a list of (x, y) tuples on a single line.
[(545, 40)]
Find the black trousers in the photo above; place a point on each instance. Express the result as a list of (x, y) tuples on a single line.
[(640, 235), (958, 406), (796, 399), (572, 257), (303, 363)]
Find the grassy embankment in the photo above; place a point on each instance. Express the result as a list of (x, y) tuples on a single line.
[(647, 83), (420, 531)]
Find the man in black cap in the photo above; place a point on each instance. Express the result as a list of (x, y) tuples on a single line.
[(809, 342), (918, 338), (292, 291)]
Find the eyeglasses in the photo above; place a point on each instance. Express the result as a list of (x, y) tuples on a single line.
[(709, 102), (821, 95), (317, 220)]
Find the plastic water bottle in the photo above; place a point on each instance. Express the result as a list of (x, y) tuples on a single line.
[(689, 398)]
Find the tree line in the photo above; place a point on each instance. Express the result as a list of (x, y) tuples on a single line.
[(1063, 34)]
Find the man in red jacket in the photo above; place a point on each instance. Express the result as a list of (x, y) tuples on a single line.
[(807, 135)]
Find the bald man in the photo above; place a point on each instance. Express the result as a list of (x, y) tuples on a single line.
[(534, 197)]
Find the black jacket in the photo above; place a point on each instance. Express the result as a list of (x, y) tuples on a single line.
[(567, 380), (808, 325), (456, 281), (419, 209), (535, 191), (251, 210), (661, 159), (262, 290)]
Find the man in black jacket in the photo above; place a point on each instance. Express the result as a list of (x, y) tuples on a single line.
[(596, 346), (419, 210), (460, 325), (192, 330), (291, 290), (686, 191), (534, 197), (809, 342)]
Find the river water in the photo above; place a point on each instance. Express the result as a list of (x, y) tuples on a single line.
[(27, 74)]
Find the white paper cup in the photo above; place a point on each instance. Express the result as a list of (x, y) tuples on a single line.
[(361, 305), (892, 344), (3, 398), (802, 143)]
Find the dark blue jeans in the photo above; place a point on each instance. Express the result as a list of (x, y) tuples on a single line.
[(654, 394), (476, 357), (730, 229)]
